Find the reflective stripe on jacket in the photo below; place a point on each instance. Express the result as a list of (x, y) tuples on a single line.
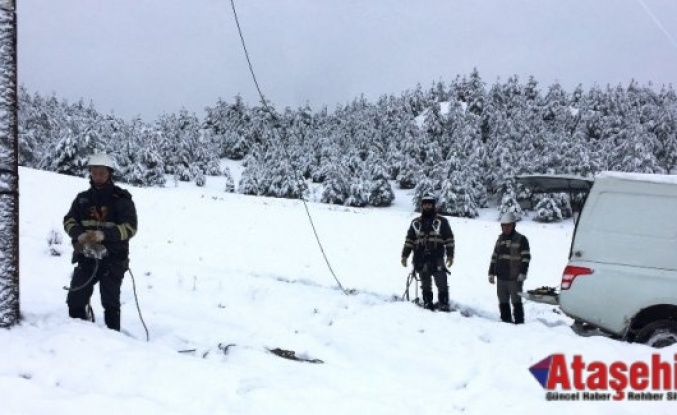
[(511, 256)]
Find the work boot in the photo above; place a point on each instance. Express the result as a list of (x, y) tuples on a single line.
[(78, 312), (428, 300), (506, 316), (112, 319), (443, 304), (518, 309), (444, 307)]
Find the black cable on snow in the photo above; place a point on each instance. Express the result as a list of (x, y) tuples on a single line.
[(284, 149)]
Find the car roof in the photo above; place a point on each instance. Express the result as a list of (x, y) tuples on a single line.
[(551, 183)]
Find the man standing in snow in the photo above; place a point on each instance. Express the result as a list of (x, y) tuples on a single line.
[(430, 237), (100, 223), (510, 263)]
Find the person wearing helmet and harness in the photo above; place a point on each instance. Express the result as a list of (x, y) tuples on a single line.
[(100, 223), (430, 237), (510, 263)]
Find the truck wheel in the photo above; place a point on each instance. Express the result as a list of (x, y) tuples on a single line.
[(658, 334)]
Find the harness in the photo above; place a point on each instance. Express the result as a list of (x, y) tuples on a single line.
[(427, 242), (425, 238), (437, 224)]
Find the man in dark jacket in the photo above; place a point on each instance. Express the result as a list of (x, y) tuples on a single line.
[(510, 263), (430, 237), (100, 223)]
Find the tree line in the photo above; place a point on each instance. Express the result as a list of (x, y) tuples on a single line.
[(463, 140)]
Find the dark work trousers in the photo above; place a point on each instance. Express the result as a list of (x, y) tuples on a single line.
[(508, 293), (440, 278), (109, 275)]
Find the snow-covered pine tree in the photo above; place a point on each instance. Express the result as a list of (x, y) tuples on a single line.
[(77, 138), (467, 205), (381, 193), (471, 169), (179, 140), (199, 176), (34, 128), (563, 202), (408, 172), (454, 198), (326, 149), (547, 211), (230, 183), (665, 129), (139, 161), (336, 185), (424, 187), (509, 203), (358, 192), (636, 151), (183, 173), (393, 160), (446, 199), (477, 93), (229, 126), (283, 181), (70, 153), (249, 180)]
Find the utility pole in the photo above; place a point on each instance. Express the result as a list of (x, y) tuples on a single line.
[(9, 167)]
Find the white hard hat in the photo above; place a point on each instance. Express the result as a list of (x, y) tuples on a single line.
[(508, 217), (101, 159), (429, 198)]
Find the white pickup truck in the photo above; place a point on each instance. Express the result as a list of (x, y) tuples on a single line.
[(621, 278)]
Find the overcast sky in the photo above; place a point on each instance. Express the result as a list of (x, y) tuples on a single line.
[(145, 57)]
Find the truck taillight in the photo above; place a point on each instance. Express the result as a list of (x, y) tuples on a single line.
[(570, 274)]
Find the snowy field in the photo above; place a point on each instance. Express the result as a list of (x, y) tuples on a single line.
[(223, 278)]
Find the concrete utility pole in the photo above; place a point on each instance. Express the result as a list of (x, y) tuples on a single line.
[(9, 167)]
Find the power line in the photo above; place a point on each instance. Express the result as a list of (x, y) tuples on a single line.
[(284, 149), (658, 22)]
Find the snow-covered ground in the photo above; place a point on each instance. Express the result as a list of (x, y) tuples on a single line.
[(213, 269)]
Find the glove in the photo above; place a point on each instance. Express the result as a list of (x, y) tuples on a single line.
[(450, 262), (96, 236), (83, 238), (404, 261), (90, 237), (492, 279), (94, 250), (521, 277)]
